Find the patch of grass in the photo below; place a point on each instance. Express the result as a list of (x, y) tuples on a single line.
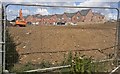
[(22, 68), (44, 64)]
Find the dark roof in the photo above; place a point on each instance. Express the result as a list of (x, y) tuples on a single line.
[(96, 14), (47, 16), (38, 16), (70, 14), (84, 12), (25, 17), (59, 15)]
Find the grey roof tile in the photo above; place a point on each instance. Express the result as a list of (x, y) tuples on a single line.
[(70, 14), (84, 12)]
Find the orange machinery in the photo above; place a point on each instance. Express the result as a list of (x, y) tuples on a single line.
[(20, 21)]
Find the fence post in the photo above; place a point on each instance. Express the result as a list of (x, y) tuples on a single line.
[(1, 37), (118, 19)]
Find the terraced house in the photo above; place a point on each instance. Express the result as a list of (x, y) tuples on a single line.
[(80, 16)]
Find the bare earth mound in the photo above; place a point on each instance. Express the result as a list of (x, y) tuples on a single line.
[(51, 43)]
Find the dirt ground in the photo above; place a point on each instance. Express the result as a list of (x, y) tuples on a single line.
[(51, 43)]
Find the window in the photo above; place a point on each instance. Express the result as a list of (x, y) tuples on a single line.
[(78, 17)]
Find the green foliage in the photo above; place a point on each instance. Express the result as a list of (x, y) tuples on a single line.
[(30, 66), (84, 65), (11, 53), (45, 64), (22, 68), (81, 64)]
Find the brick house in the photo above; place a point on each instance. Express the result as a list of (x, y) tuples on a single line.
[(29, 18), (33, 19), (69, 16), (87, 15), (53, 19), (58, 17), (80, 16), (77, 17), (66, 18)]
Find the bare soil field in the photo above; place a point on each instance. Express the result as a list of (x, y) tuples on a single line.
[(52, 43)]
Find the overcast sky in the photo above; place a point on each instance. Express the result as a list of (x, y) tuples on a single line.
[(12, 11)]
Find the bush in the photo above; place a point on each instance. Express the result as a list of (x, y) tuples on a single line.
[(22, 68), (12, 55), (45, 64), (83, 65)]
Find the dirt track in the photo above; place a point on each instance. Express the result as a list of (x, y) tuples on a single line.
[(36, 41)]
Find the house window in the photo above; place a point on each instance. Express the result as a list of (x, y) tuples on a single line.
[(91, 19), (78, 17), (102, 17)]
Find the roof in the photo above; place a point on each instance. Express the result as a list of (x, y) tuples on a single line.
[(47, 16), (84, 12), (70, 14), (96, 14), (38, 16), (59, 15)]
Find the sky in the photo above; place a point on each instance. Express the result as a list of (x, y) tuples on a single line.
[(12, 10)]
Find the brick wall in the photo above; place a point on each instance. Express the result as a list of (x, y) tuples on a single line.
[(77, 17), (88, 17)]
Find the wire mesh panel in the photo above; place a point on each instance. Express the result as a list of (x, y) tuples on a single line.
[(1, 42), (84, 38)]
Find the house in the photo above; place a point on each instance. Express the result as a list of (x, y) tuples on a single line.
[(34, 19), (87, 15), (60, 19), (69, 16), (79, 16), (53, 19)]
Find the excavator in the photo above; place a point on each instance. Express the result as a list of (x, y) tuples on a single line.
[(20, 21)]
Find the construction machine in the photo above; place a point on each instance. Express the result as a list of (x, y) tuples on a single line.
[(20, 21)]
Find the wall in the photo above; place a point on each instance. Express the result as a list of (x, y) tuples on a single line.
[(77, 17), (89, 16)]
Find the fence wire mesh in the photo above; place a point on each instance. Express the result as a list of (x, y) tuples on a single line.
[(0, 37), (57, 36)]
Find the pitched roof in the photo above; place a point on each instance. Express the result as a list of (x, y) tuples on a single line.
[(70, 14), (59, 15), (96, 14), (47, 16), (84, 12), (38, 16)]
